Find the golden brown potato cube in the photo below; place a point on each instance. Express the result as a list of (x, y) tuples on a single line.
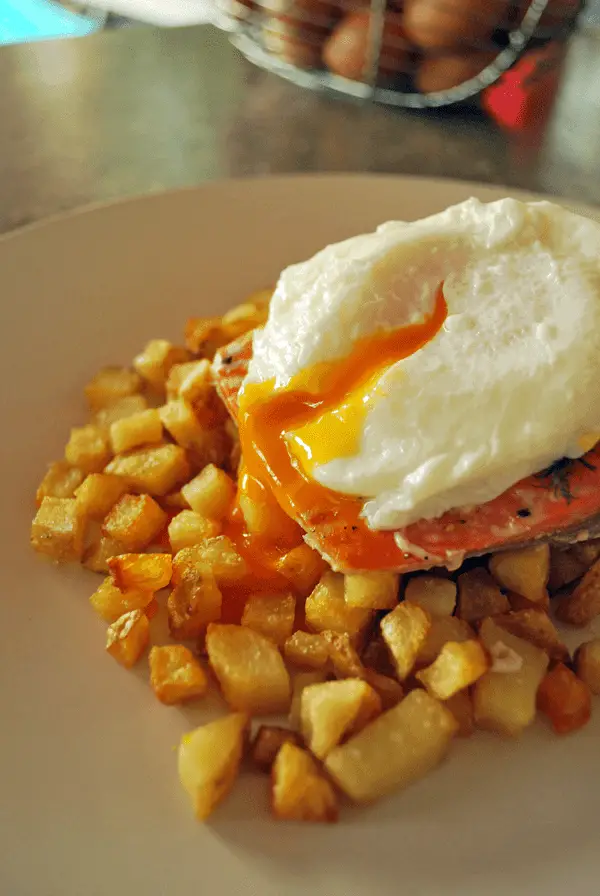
[(458, 666), (524, 571), (144, 428), (583, 605), (399, 747), (194, 602), (209, 761), (344, 658), (536, 627), (179, 419), (128, 637), (217, 554), (479, 596), (334, 709), (204, 335), (267, 744), (327, 610), (110, 385), (372, 590), (504, 699), (565, 567), (587, 664), (210, 493), (212, 446), (189, 528), (175, 674), (192, 381), (432, 593), (176, 376), (88, 448), (134, 521), (461, 707), (60, 481), (156, 360), (175, 501), (98, 493), (58, 529), (300, 681), (110, 602), (302, 567), (97, 555), (443, 629), (146, 572), (271, 614), (306, 650), (156, 470), (245, 317), (565, 699), (265, 518), (404, 630), (389, 690), (300, 791), (375, 655), (120, 410), (249, 668)]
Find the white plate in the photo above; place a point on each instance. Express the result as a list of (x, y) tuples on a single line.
[(90, 804)]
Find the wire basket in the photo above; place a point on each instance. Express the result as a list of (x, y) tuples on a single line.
[(411, 53)]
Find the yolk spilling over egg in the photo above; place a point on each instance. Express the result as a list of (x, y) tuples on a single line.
[(318, 416)]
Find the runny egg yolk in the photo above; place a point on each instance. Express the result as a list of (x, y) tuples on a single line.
[(318, 416)]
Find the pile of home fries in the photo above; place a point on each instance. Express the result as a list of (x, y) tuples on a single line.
[(377, 674)]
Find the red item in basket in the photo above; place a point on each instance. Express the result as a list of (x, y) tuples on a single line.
[(524, 95)]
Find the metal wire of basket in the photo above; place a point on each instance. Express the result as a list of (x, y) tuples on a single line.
[(294, 38)]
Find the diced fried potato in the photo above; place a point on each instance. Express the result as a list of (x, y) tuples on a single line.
[(179, 418), (306, 650), (134, 521), (461, 707), (587, 663), (327, 610), (583, 605), (249, 668), (196, 383), (111, 603), (60, 481), (536, 627), (300, 791), (143, 428), (271, 614), (194, 602), (120, 410), (302, 567), (399, 747), (128, 637), (332, 710), (432, 593), (210, 493), (372, 590), (58, 529), (300, 681), (209, 761), (212, 446), (189, 528), (404, 630), (505, 701), (344, 658), (524, 571), (565, 699), (479, 596), (565, 567), (98, 493), (267, 744), (389, 690), (88, 448), (156, 469), (443, 629), (110, 385), (375, 655), (458, 666), (146, 572), (177, 374), (204, 335), (175, 501), (156, 360), (97, 555), (265, 518), (245, 317), (175, 674), (217, 554)]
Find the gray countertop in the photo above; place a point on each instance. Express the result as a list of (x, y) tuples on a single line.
[(142, 109)]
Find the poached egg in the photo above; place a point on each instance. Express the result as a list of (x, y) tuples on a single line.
[(428, 365)]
